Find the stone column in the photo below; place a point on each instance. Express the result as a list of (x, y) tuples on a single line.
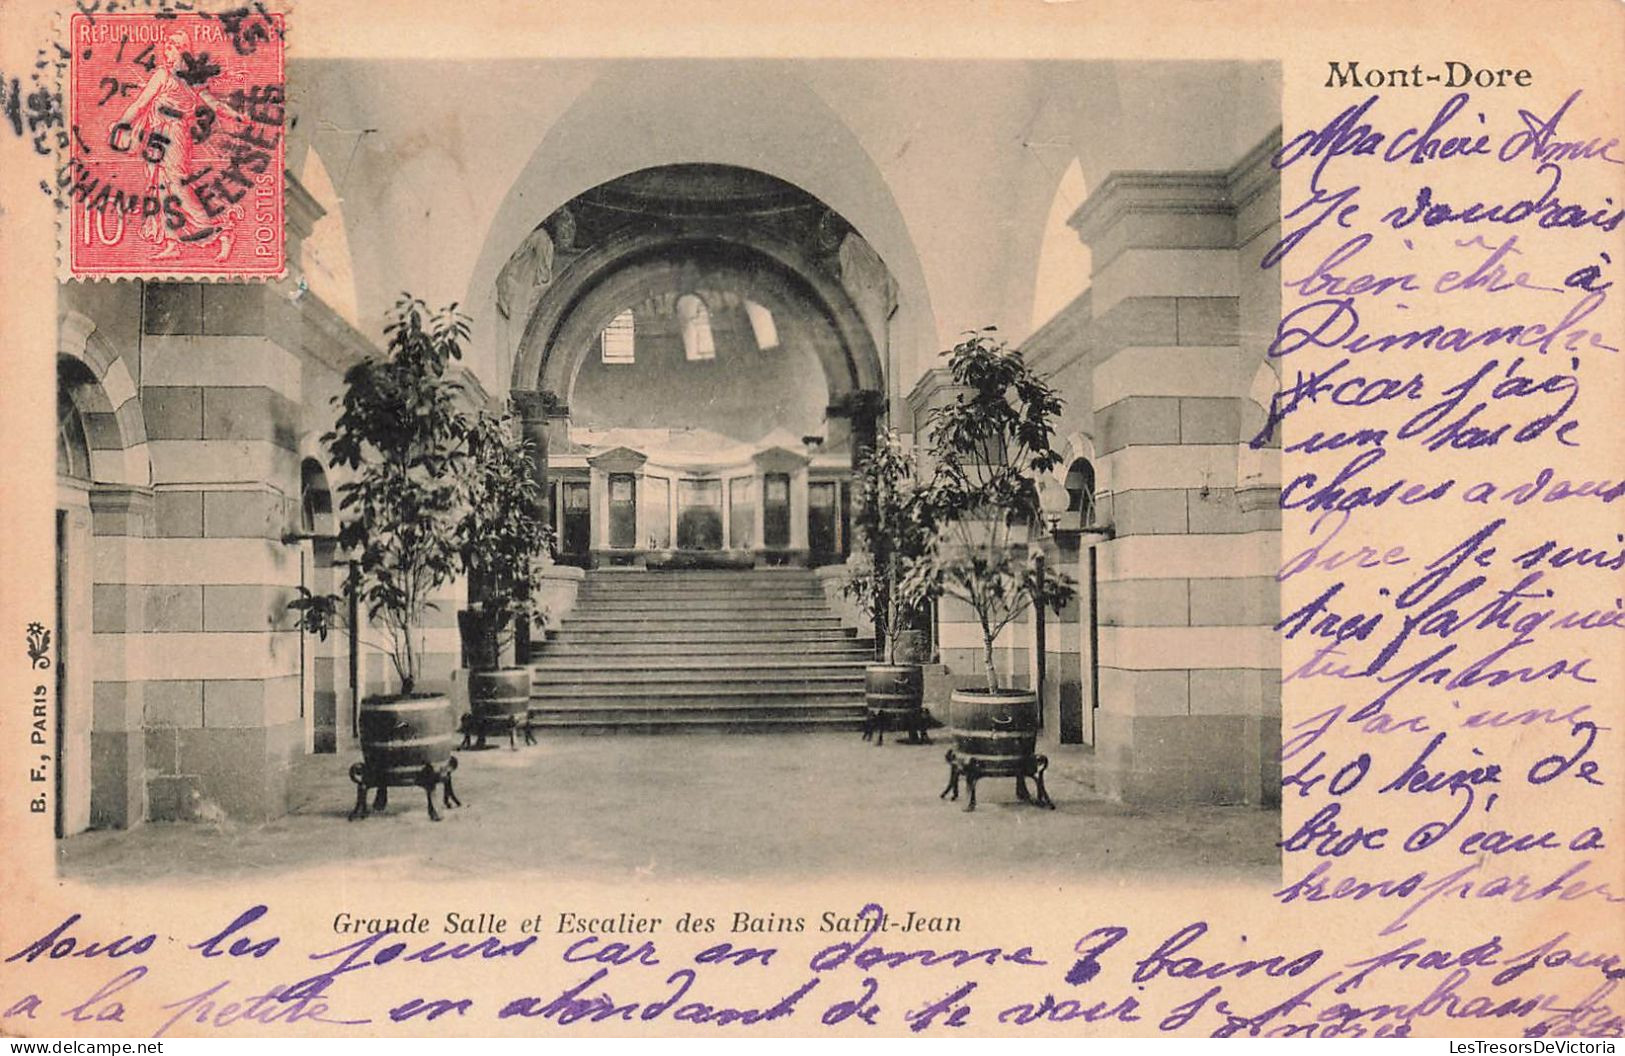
[(863, 410), (122, 519), (220, 656), (535, 407), (1186, 646)]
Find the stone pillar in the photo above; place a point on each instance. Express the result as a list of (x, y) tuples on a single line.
[(535, 407), (220, 656), (1185, 598), (863, 409), (122, 518)]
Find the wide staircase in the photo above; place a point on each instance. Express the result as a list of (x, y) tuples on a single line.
[(703, 651)]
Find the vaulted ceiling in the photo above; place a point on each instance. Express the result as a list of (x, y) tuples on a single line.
[(948, 169)]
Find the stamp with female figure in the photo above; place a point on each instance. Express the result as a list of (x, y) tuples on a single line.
[(175, 165)]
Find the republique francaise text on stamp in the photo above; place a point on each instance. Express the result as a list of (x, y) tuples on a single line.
[(176, 159)]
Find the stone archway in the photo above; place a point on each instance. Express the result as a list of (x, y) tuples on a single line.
[(666, 229), (583, 298), (580, 260), (104, 511)]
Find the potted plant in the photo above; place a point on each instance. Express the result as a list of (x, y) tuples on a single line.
[(892, 527), (503, 539), (401, 444), (990, 447)]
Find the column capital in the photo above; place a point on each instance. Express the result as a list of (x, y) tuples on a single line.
[(535, 405), (858, 403)]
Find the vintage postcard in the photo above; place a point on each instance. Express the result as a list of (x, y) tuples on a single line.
[(795, 519), (154, 147)]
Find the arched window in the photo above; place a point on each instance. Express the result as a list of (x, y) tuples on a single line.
[(72, 449), (616, 341), (762, 326), (696, 319), (1080, 490), (315, 501)]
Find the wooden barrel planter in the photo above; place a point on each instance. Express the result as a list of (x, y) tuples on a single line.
[(405, 741), (500, 700), (892, 699), (995, 735)]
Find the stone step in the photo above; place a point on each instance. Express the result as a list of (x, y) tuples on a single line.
[(766, 701), (654, 606), (699, 650), (786, 661), (702, 581), (663, 595), (695, 684), (719, 590), (637, 650), (566, 685), (628, 632), (684, 622), (656, 723), (699, 575), (710, 709), (632, 634)]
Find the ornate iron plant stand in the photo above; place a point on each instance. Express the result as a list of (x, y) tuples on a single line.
[(426, 779), (915, 723), (475, 728), (973, 769)]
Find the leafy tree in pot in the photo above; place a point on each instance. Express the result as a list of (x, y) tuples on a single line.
[(404, 446), (893, 526), (502, 538), (989, 447)]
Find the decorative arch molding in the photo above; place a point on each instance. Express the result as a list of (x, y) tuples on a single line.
[(752, 114), (316, 505), (1082, 445), (558, 335), (109, 402)]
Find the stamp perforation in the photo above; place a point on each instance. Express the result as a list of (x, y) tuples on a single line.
[(197, 192)]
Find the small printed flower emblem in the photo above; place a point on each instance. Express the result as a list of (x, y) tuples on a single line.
[(39, 643)]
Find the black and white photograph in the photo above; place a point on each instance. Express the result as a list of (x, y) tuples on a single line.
[(704, 467), (816, 518)]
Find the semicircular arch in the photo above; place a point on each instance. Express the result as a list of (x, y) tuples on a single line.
[(608, 277), (102, 388), (755, 117)]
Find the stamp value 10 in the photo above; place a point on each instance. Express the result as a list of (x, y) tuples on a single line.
[(176, 158)]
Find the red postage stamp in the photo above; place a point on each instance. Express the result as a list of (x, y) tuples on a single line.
[(175, 164)]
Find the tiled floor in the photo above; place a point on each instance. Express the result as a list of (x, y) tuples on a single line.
[(699, 806)]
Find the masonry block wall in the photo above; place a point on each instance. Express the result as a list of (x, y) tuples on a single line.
[(201, 402), (223, 680), (1157, 361)]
